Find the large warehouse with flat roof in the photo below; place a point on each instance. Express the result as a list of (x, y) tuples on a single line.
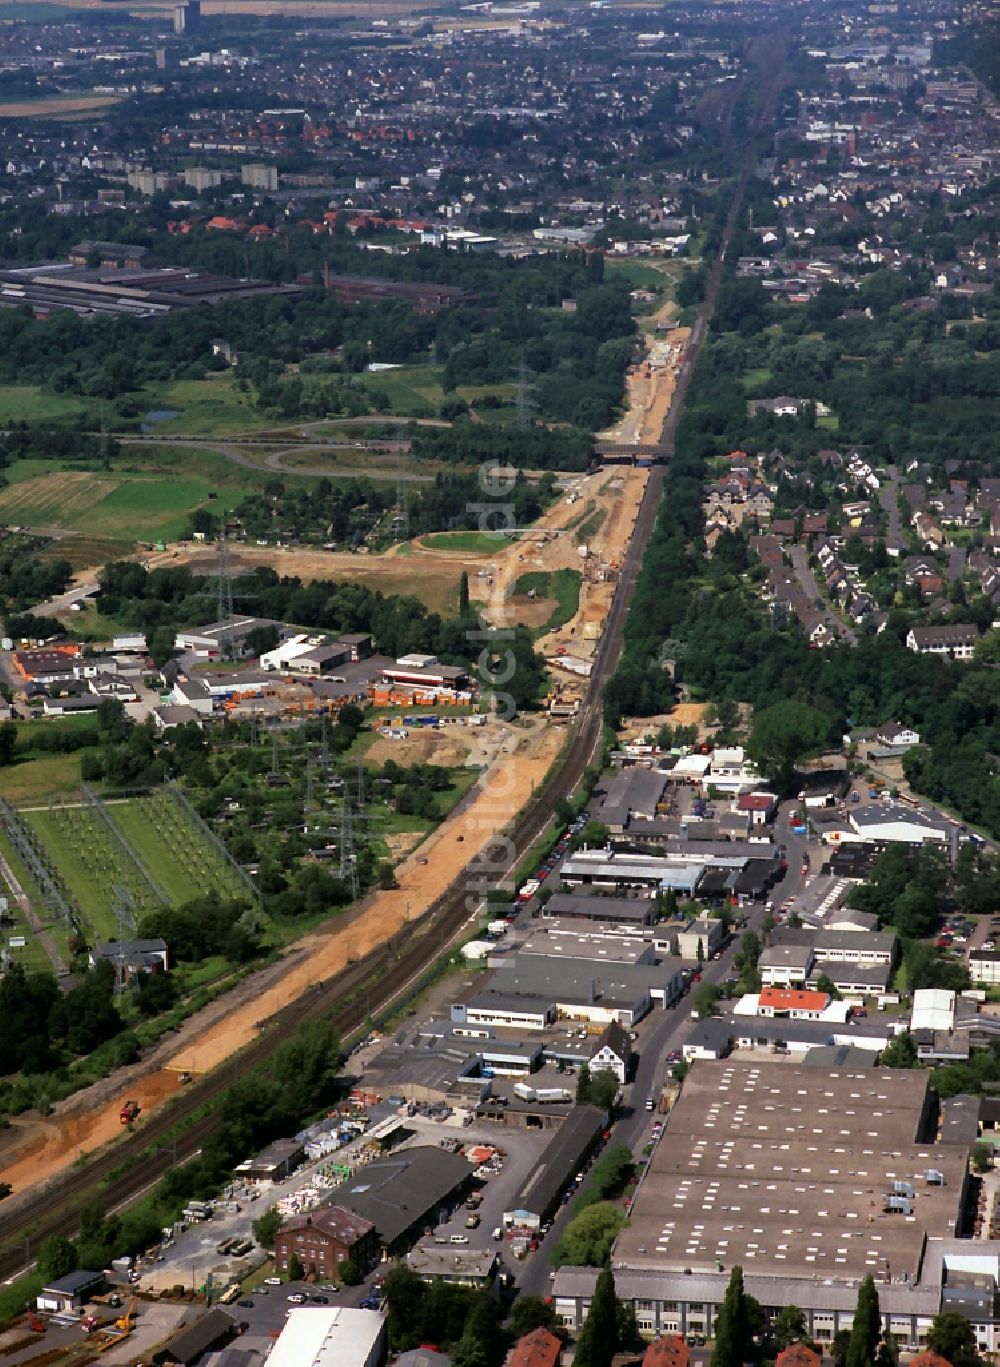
[(807, 1178)]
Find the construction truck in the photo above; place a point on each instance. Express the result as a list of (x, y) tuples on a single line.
[(129, 1113)]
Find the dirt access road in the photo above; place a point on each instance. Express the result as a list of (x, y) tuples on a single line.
[(37, 1148)]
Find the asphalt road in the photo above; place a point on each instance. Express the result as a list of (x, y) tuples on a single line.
[(799, 557), (662, 1032)]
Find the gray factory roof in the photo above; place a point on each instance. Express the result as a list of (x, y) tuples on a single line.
[(866, 941), (583, 979), (641, 910), (710, 1288), (548, 1176), (631, 790), (398, 1192), (789, 1170)]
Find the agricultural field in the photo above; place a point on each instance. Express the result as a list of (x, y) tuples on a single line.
[(57, 106), (178, 856), (142, 852), (111, 508)]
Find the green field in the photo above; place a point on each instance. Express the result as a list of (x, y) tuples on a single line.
[(31, 779), (418, 389), (204, 407), (477, 543), (561, 585), (93, 864), (31, 403), (756, 379), (176, 854), (640, 275), (110, 507)]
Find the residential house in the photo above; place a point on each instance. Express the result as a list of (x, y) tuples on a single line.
[(793, 1005), (897, 735), (669, 1351), (801, 1355), (539, 1348), (613, 1053), (956, 641)]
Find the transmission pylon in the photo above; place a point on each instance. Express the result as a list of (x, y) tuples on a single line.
[(348, 854), (123, 906), (523, 396), (401, 526), (225, 607)]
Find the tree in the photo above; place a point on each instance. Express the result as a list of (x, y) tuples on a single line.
[(583, 1085), (482, 1343), (599, 1335), (706, 999), (952, 1336), (603, 1089), (824, 983), (405, 1294), (57, 1258), (900, 1052), (867, 1328), (785, 733), (267, 1226), (586, 1241), (349, 1272), (733, 1338), (839, 1345), (463, 594), (790, 1327), (532, 1312), (8, 743), (982, 1156), (296, 1272)]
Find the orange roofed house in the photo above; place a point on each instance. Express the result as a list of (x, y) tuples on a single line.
[(795, 1005), (798, 1355), (669, 1351), (537, 1349)]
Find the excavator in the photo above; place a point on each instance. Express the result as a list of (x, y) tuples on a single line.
[(120, 1330)]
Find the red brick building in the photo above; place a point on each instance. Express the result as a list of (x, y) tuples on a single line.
[(324, 1238)]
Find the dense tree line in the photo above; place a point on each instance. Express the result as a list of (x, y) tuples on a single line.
[(530, 447), (26, 580), (46, 1027), (347, 511)]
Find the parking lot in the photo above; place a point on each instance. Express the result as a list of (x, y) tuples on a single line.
[(192, 1258)]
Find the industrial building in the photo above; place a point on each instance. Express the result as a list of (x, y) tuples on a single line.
[(143, 292), (324, 1238), (809, 1179), (331, 1336), (402, 1193), (538, 1195)]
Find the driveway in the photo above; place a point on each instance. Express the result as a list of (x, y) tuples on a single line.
[(888, 497), (799, 557)]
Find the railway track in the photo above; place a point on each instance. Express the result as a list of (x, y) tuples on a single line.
[(124, 1170)]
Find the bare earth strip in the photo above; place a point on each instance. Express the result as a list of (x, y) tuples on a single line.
[(38, 1148), (58, 104)]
